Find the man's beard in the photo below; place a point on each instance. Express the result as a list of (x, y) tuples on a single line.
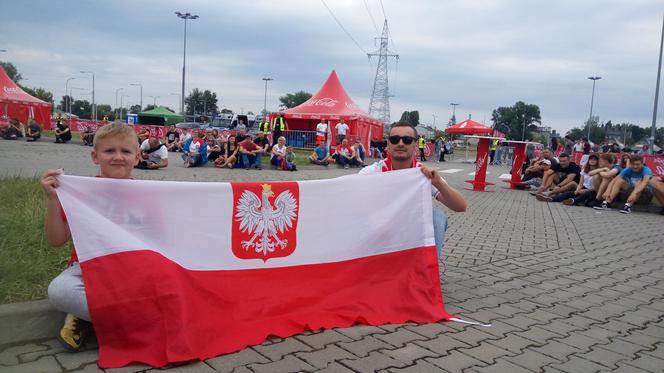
[(401, 157)]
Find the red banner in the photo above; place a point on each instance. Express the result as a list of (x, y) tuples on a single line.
[(655, 163)]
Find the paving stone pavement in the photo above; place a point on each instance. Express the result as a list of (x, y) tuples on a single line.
[(566, 289)]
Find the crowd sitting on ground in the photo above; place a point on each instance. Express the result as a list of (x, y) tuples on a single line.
[(601, 179)]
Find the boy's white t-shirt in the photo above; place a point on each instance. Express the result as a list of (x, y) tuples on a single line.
[(194, 147)]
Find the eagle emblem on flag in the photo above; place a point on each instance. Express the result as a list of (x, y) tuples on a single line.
[(264, 219)]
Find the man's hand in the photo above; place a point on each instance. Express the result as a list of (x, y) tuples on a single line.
[(631, 199), (433, 175), (49, 183), (556, 189)]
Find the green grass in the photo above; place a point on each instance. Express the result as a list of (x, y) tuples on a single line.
[(27, 263)]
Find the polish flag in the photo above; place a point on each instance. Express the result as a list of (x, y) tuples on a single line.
[(178, 271)]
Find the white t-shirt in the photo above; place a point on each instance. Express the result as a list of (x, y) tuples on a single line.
[(341, 128), (578, 147), (194, 147), (157, 155), (377, 167), (587, 181), (186, 136), (279, 150), (321, 129)]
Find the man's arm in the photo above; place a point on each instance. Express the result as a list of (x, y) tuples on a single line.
[(638, 188), (568, 179), (447, 195)]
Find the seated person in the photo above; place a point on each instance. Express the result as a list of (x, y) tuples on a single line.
[(374, 148), (585, 191), (657, 184), (563, 177), (34, 131), (250, 154), (603, 176), (143, 134), (279, 153), (173, 139), (262, 142), (345, 156), (153, 154), (87, 135), (14, 130), (543, 166), (195, 150), (290, 159), (62, 132), (633, 180), (214, 149), (360, 154), (321, 155), (230, 154), (535, 168)]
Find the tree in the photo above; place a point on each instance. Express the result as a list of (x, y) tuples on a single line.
[(411, 117), (250, 113), (11, 71), (82, 109), (104, 110), (40, 93), (226, 111), (294, 99), (135, 109), (64, 103), (519, 120), (199, 101)]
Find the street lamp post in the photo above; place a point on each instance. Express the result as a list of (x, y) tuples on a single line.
[(154, 100), (592, 100), (94, 107), (116, 101), (265, 98), (121, 107), (139, 85), (68, 98), (434, 121), (184, 16), (653, 130)]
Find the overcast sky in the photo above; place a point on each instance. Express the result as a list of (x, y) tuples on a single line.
[(481, 54)]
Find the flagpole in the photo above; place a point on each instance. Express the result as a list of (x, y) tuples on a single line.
[(653, 130)]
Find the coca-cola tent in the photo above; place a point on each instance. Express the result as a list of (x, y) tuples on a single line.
[(15, 103), (469, 127), (332, 102)]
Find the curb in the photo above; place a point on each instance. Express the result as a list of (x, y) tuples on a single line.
[(28, 321)]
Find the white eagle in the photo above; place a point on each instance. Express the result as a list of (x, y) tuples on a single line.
[(258, 218)]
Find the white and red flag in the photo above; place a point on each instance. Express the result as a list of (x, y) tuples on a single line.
[(176, 271)]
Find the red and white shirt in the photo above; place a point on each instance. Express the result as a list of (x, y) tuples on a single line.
[(386, 165)]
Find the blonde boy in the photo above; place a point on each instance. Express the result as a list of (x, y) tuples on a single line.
[(115, 151)]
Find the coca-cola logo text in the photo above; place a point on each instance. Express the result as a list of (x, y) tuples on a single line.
[(326, 102), (11, 90)]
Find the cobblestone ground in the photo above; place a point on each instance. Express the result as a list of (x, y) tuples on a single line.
[(566, 289)]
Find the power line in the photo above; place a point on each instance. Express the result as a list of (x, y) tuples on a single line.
[(373, 21), (342, 27)]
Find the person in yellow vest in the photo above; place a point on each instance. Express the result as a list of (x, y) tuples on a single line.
[(105, 118), (264, 127), (492, 150), (422, 144), (279, 128)]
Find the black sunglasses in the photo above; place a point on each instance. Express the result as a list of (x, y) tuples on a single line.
[(407, 140)]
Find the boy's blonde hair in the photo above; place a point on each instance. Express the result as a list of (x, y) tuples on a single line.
[(115, 129)]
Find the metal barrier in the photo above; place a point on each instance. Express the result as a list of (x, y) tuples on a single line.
[(301, 139)]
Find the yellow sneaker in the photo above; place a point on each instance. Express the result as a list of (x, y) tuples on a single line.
[(74, 332)]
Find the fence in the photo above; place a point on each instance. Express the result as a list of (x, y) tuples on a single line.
[(307, 139)]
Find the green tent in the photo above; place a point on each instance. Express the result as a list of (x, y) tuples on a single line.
[(159, 116)]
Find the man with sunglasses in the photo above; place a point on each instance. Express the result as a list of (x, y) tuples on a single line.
[(401, 148)]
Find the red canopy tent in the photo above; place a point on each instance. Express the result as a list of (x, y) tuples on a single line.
[(469, 127), (332, 102), (15, 103)]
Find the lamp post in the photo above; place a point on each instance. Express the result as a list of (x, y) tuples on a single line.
[(94, 107), (265, 97), (154, 100), (68, 100), (139, 85), (434, 121), (184, 16), (592, 100), (653, 130), (121, 107), (116, 101)]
